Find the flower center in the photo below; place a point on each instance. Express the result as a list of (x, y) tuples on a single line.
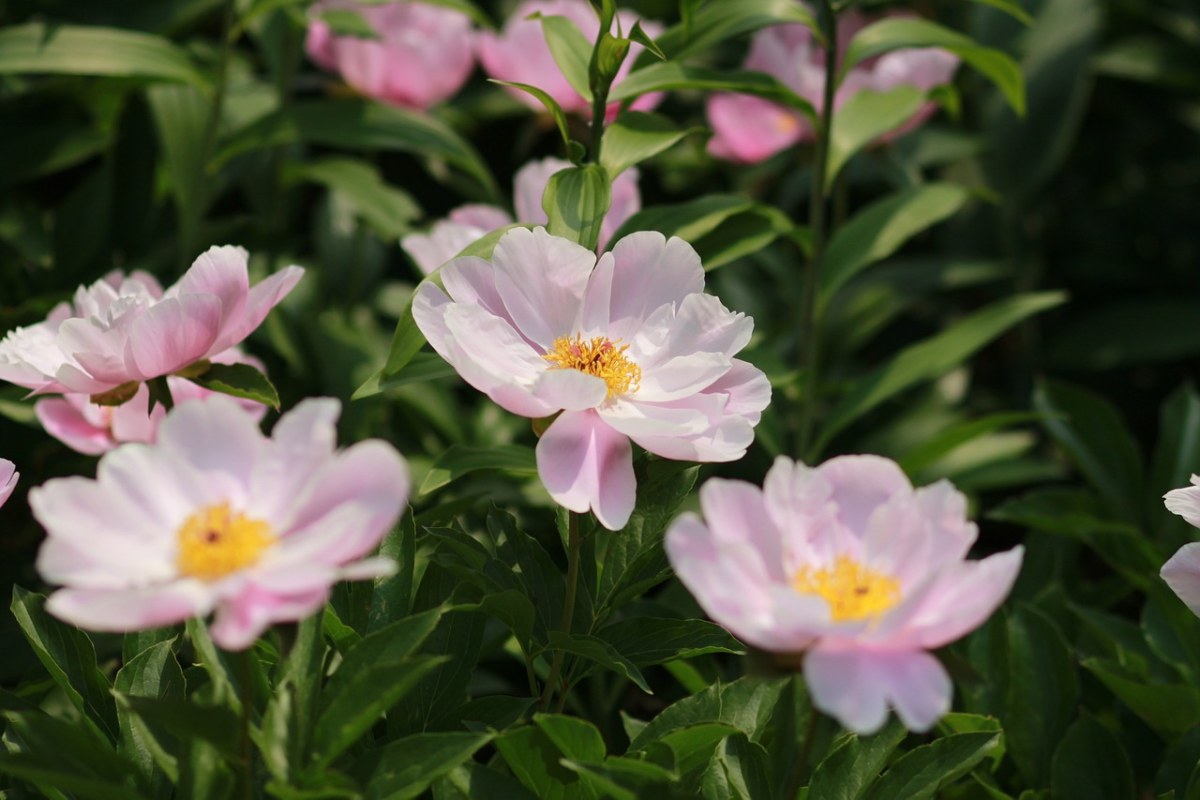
[(217, 541), (852, 591), (600, 357)]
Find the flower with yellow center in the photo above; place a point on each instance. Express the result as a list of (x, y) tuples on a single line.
[(217, 541), (599, 357), (853, 591)]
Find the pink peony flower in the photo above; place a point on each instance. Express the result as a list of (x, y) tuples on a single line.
[(122, 330), (8, 479), (520, 54), (627, 347), (423, 56), (749, 129), (92, 429), (217, 517), (849, 563), (448, 237), (1182, 571)]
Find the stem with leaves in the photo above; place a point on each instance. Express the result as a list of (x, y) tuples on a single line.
[(574, 544), (818, 223)]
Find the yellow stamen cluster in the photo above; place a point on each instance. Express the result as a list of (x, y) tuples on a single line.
[(852, 591), (217, 541), (599, 357)]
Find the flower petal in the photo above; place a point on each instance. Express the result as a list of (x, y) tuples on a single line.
[(133, 609), (1182, 574), (542, 279), (66, 423), (1185, 502), (846, 684), (585, 464), (175, 332), (570, 389)]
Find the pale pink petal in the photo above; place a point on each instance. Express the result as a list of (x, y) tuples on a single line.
[(1182, 574), (735, 512), (222, 272), (213, 436), (748, 390), (962, 598), (653, 419), (585, 464), (484, 217), (368, 569), (130, 422), (472, 281), (66, 423), (263, 296), (542, 279), (172, 334), (241, 619), (645, 272), (519, 53), (749, 129), (626, 201), (8, 479), (98, 351), (702, 325), (132, 609), (860, 484), (1185, 502), (529, 184), (570, 389), (318, 44), (850, 686)]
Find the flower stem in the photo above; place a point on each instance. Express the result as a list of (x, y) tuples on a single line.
[(810, 733), (245, 752), (818, 223), (574, 543)]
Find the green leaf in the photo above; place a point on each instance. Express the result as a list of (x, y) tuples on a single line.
[(599, 651), (649, 640), (187, 721), (1129, 331), (571, 51), (1042, 693), (745, 705), (79, 751), (551, 105), (374, 675), (1091, 764), (634, 137), (716, 22), (226, 688), (391, 598), (865, 117), (949, 439), (1091, 432), (47, 773), (409, 766), (346, 22), (622, 778), (152, 673), (181, 116), (458, 460), (421, 368), (919, 773), (239, 380), (933, 358), (68, 655), (358, 125), (576, 200), (1009, 7), (1176, 457), (515, 610), (577, 739), (897, 33), (1171, 709), (882, 228), (854, 763), (93, 50), (384, 207), (535, 760), (671, 76), (737, 771)]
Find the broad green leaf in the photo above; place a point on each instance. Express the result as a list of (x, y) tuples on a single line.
[(882, 228), (47, 773), (30, 150), (358, 125), (347, 22), (634, 137), (68, 655), (919, 773), (239, 380), (695, 745), (217, 663), (1171, 630), (1093, 435), (746, 234), (717, 21), (536, 762), (599, 651), (1042, 693), (954, 436), (422, 368), (385, 208), (92, 50), (622, 778), (670, 76), (933, 358), (650, 640), (152, 673), (736, 771), (854, 763), (897, 33), (746, 704), (1129, 331), (515, 610), (188, 721), (1010, 7), (1171, 709), (458, 460), (551, 105), (571, 51), (865, 117), (1091, 764), (689, 220), (79, 751), (408, 766), (578, 739), (576, 200), (181, 119), (134, 642), (391, 599)]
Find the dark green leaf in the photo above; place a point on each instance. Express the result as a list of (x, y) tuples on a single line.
[(239, 380), (1176, 457), (459, 460), (392, 597), (737, 771), (536, 762), (152, 673), (1169, 709), (188, 721), (854, 763), (715, 22), (865, 117), (671, 76), (577, 739), (919, 773), (648, 640), (1090, 764), (551, 105), (384, 207), (599, 651), (576, 200), (408, 766)]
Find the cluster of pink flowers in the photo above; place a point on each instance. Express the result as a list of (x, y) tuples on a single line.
[(424, 53), (446, 238), (750, 129)]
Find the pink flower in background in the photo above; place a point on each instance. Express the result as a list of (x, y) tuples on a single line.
[(8, 479), (216, 517), (448, 237), (123, 330), (627, 348), (749, 129), (1182, 571), (424, 53), (849, 563), (520, 54), (93, 429)]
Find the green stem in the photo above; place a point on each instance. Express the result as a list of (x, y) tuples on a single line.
[(247, 766), (810, 734), (818, 223), (574, 543)]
